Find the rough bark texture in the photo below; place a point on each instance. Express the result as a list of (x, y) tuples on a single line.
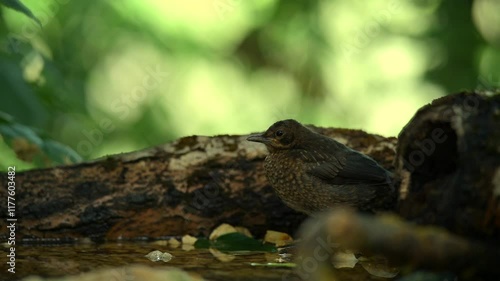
[(448, 158), (188, 186)]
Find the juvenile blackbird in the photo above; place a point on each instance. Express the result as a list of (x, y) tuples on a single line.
[(311, 172)]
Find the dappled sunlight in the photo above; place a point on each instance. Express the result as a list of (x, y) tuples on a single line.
[(488, 67), (386, 73), (125, 80), (397, 59), (216, 25), (392, 111), (233, 67), (221, 98), (486, 16)]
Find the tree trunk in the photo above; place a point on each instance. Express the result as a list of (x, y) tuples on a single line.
[(448, 158)]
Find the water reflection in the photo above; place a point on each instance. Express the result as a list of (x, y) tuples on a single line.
[(70, 259)]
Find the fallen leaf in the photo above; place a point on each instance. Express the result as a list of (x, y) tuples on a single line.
[(188, 240), (278, 238), (244, 230), (174, 243), (344, 260), (221, 230), (221, 256)]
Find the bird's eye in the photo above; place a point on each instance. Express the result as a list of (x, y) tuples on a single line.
[(279, 133)]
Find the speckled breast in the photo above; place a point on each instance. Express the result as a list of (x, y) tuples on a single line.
[(286, 176)]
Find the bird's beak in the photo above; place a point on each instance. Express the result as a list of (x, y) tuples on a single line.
[(258, 138)]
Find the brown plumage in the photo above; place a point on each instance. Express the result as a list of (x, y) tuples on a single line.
[(311, 172)]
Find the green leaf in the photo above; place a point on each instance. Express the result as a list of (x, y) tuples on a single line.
[(20, 131), (233, 242), (202, 243), (20, 7), (60, 153), (9, 159), (6, 118), (29, 146)]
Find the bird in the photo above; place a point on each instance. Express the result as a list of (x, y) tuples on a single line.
[(312, 173)]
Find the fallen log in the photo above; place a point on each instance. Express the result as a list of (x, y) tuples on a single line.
[(187, 186)]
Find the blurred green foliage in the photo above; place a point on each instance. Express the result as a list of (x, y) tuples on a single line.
[(20, 7), (105, 77), (31, 147)]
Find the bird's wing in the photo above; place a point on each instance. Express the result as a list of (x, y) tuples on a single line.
[(351, 168)]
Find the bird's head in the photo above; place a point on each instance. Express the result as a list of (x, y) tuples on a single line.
[(281, 135)]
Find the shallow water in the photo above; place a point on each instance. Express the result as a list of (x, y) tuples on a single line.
[(71, 259)]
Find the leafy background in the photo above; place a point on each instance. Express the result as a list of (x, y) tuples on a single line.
[(83, 79)]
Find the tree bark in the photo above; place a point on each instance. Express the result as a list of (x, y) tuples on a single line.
[(448, 158), (187, 186)]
